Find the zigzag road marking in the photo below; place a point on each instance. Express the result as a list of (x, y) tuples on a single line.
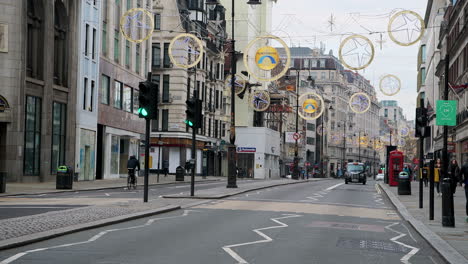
[(405, 258), (92, 239), (266, 239)]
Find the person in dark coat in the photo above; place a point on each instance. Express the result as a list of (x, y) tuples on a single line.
[(454, 171), (133, 163), (463, 177)]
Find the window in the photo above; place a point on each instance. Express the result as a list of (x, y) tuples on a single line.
[(423, 53), (209, 127), (60, 44), (167, 60), (91, 99), (35, 38), (156, 60), (322, 63), (332, 75), (155, 125), (85, 90), (157, 21), (86, 40), (216, 128), (217, 100), (223, 130), (59, 114), (105, 89), (385, 112), (310, 127), (129, 4), (138, 58), (165, 91), (127, 99), (323, 75), (116, 46), (127, 54), (118, 95), (310, 141), (423, 76), (32, 136), (93, 48), (136, 103), (165, 120), (218, 69), (104, 38)]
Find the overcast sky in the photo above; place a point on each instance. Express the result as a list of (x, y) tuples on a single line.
[(305, 23)]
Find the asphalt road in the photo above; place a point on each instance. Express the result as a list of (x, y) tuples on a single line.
[(23, 205), (316, 222)]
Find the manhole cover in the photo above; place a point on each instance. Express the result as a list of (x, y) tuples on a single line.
[(374, 245)]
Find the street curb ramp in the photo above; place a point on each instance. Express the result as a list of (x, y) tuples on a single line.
[(450, 254), (37, 237)]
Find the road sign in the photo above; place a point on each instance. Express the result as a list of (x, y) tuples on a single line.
[(296, 136), (446, 113)]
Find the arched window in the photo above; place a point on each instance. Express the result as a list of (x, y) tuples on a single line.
[(60, 44), (35, 39)]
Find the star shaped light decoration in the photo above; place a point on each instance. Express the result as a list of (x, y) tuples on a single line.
[(260, 100), (134, 22), (356, 52), (186, 50), (359, 103), (406, 28)]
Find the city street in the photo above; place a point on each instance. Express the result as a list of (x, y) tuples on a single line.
[(314, 222)]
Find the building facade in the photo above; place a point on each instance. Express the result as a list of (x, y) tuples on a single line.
[(38, 75), (123, 65)]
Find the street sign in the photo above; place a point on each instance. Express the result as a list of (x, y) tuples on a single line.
[(296, 136), (446, 113), (246, 150)]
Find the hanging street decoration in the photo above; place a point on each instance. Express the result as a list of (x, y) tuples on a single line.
[(186, 50), (356, 52), (260, 100), (360, 103), (319, 130), (137, 25), (262, 60), (406, 28), (390, 85), (311, 106), (239, 83)]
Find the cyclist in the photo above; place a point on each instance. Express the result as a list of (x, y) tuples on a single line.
[(132, 165)]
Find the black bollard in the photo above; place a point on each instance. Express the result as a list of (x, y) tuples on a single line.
[(448, 216), (431, 190)]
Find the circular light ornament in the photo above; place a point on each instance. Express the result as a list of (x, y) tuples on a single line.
[(364, 140), (404, 131), (319, 130), (356, 52), (262, 60), (260, 100), (137, 25), (186, 50), (378, 145), (406, 28), (359, 103), (336, 138), (239, 83), (311, 106), (401, 142), (390, 85)]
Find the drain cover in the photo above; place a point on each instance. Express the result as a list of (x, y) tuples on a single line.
[(374, 245)]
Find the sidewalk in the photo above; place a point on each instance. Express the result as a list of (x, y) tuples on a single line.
[(452, 243), (28, 229), (49, 187)]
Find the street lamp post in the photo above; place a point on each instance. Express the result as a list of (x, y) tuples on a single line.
[(232, 175)]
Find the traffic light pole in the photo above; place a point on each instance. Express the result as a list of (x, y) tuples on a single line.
[(193, 154), (147, 145)]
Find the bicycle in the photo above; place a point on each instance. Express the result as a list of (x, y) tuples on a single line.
[(131, 179)]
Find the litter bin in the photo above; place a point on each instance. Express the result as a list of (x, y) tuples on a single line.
[(180, 171), (64, 178), (3, 180), (404, 184)]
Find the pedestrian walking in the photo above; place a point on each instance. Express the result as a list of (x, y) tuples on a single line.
[(425, 173), (464, 180), (454, 171), (437, 173)]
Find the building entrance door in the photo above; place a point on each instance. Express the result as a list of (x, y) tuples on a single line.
[(3, 134), (87, 164)]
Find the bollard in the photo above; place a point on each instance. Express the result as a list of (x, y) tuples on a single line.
[(448, 219)]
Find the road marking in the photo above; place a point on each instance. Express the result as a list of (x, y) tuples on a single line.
[(378, 189), (433, 261), (409, 232), (334, 186), (405, 258), (107, 194), (33, 207), (266, 239), (92, 239)]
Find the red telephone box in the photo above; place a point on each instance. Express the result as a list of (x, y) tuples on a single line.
[(395, 164)]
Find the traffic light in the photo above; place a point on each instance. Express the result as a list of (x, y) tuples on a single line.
[(148, 99), (194, 113), (421, 130)]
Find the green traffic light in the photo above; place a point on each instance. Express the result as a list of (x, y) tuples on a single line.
[(188, 122), (143, 112)]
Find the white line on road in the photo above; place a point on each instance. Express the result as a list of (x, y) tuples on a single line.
[(405, 258), (107, 194), (266, 239), (94, 238), (334, 186), (32, 207)]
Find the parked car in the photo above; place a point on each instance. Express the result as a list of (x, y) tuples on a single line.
[(379, 177)]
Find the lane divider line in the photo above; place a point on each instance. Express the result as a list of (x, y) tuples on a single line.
[(92, 239), (266, 239), (334, 186), (413, 251)]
